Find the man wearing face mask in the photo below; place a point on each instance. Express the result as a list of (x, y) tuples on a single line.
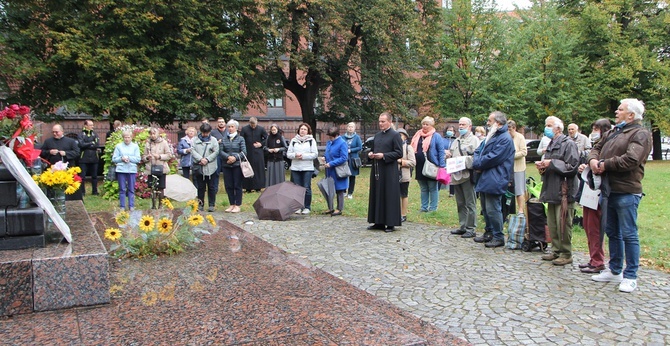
[(619, 158), (464, 190), (559, 169)]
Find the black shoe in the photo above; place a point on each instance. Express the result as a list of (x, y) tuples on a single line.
[(389, 229), (336, 213), (95, 193), (457, 231), (403, 218), (495, 243), (485, 238), (376, 226), (469, 234)]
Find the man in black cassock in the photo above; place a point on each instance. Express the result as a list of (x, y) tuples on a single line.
[(60, 148), (254, 138), (384, 204)]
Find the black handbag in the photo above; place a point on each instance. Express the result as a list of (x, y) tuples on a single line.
[(111, 173), (356, 162), (157, 170), (196, 168)]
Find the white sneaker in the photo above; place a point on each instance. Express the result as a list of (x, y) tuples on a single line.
[(607, 276), (305, 211), (350, 196), (628, 285), (299, 211)]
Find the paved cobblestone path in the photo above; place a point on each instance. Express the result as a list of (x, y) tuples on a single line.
[(484, 296)]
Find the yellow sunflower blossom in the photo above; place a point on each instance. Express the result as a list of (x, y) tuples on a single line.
[(166, 202), (195, 219), (211, 220), (113, 234), (147, 223), (164, 225), (122, 218), (194, 205)]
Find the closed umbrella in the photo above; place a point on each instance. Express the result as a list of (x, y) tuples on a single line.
[(179, 188), (279, 201), (327, 188)]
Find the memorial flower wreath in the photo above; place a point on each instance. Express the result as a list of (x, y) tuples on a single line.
[(17, 132), (154, 233)]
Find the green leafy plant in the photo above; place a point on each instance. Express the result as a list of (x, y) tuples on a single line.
[(158, 232)]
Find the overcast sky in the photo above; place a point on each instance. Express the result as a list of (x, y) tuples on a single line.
[(509, 4)]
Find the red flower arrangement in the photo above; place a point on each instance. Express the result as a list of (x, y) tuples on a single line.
[(17, 132)]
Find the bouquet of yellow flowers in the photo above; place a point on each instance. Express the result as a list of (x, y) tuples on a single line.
[(60, 177), (141, 235)]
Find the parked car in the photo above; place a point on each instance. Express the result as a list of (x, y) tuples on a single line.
[(531, 147)]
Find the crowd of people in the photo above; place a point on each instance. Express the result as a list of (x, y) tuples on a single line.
[(489, 166), (610, 163)]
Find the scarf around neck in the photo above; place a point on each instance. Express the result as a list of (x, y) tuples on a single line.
[(303, 139), (427, 137)]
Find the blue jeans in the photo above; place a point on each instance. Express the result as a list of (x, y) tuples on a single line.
[(621, 229), (429, 194), (304, 179), (126, 189), (492, 208)]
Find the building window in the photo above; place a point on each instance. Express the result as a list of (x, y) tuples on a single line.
[(276, 103), (446, 3)]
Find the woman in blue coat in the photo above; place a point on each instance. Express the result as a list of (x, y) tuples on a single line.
[(337, 153), (355, 144)]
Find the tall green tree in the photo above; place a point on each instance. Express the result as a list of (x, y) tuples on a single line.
[(627, 45), (347, 59), (473, 36), (136, 60), (541, 73)]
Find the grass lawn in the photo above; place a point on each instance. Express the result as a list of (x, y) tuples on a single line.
[(653, 221)]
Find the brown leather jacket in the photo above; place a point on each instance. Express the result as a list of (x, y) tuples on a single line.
[(624, 153)]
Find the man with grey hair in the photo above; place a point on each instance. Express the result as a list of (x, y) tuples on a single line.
[(464, 190), (559, 187), (619, 158), (583, 142), (493, 160)]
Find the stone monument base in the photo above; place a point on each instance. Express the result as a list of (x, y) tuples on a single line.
[(58, 276)]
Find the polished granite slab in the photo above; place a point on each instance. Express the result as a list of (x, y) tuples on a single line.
[(59, 275), (232, 289)]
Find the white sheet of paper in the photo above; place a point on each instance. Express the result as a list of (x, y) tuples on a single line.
[(590, 198), (455, 164), (16, 168)]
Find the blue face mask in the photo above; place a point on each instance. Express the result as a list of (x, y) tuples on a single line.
[(621, 124), (462, 131), (450, 133), (549, 132)]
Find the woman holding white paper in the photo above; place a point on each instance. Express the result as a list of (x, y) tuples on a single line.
[(593, 218)]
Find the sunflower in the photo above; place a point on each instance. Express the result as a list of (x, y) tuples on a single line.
[(113, 234), (147, 223), (166, 202), (194, 204), (164, 225), (211, 220), (195, 219), (122, 217)]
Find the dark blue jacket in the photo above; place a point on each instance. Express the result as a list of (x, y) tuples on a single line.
[(495, 159)]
